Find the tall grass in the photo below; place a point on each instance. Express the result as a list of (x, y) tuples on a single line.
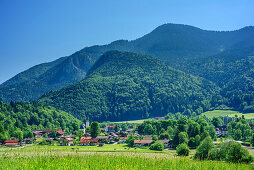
[(75, 160)]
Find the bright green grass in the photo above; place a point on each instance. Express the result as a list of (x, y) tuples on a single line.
[(106, 157), (231, 113), (132, 121), (110, 161), (105, 148)]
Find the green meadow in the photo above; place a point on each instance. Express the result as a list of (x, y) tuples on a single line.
[(230, 113), (106, 157)]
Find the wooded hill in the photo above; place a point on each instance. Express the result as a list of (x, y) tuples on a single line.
[(25, 117), (124, 86)]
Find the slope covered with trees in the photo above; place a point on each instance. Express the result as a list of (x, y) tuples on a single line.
[(232, 70), (170, 43), (16, 118), (124, 86)]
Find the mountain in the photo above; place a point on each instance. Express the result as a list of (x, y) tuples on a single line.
[(31, 84), (170, 43), (232, 70), (27, 117), (124, 86)]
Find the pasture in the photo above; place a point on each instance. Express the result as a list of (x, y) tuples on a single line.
[(230, 113), (106, 157)]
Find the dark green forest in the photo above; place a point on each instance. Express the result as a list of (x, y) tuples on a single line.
[(124, 86), (21, 118), (232, 71)]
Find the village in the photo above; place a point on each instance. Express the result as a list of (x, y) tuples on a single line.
[(109, 135)]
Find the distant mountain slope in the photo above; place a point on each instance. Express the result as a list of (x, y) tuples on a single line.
[(45, 78), (170, 43), (125, 86), (232, 70)]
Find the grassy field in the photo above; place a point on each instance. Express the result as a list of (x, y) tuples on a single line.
[(230, 113), (132, 121), (106, 157)]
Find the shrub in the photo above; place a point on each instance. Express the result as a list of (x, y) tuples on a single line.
[(164, 136), (182, 150), (238, 154), (204, 148), (157, 146)]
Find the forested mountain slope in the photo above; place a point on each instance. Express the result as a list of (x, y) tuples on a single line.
[(44, 78), (170, 43), (124, 86), (26, 117), (232, 70)]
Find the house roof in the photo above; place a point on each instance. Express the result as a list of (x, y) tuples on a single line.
[(28, 139), (61, 132), (83, 138), (42, 130), (142, 141), (70, 139), (11, 141), (123, 138), (89, 141), (10, 144), (102, 137)]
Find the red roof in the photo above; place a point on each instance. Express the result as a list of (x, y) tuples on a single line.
[(142, 141), (10, 144), (110, 126), (84, 138), (123, 138), (11, 141), (70, 139), (61, 132), (89, 141)]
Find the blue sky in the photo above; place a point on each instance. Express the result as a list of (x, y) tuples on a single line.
[(32, 32)]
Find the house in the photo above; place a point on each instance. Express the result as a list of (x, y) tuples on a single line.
[(109, 129), (159, 118), (11, 143), (60, 133), (142, 142), (103, 139), (165, 143), (123, 139), (67, 141), (28, 140), (148, 137), (41, 133), (88, 142), (221, 131)]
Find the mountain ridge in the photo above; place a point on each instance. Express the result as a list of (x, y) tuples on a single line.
[(170, 43)]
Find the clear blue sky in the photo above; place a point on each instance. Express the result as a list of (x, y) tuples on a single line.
[(33, 31)]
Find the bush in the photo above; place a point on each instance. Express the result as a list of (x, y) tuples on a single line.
[(182, 150), (157, 146), (204, 148), (238, 154)]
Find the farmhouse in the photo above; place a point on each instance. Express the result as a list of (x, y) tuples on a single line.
[(40, 133), (67, 141), (142, 142), (221, 131), (88, 142), (109, 129), (28, 140), (123, 139), (61, 133), (103, 139), (11, 143)]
